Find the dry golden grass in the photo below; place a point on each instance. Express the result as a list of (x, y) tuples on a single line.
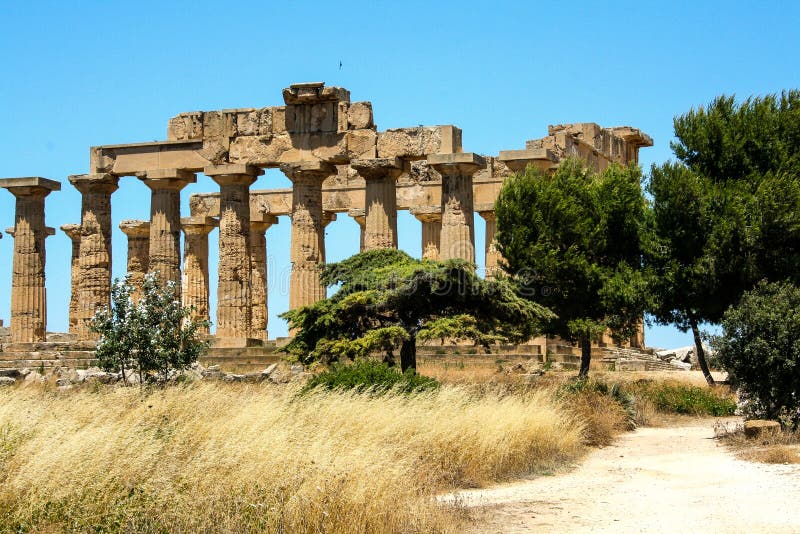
[(781, 447), (230, 458)]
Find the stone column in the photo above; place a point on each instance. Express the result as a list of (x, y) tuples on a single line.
[(431, 219), (359, 215), (73, 231), (259, 224), (458, 229), (165, 221), (492, 257), (308, 238), (94, 290), (194, 292), (138, 233), (28, 292), (380, 200), (234, 296)]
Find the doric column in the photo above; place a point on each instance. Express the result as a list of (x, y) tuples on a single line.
[(234, 296), (138, 233), (194, 292), (28, 293), (73, 231), (95, 250), (359, 215), (165, 221), (308, 238), (458, 228), (380, 200), (492, 255), (259, 224), (431, 219)]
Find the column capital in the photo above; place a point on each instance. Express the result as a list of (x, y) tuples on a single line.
[(377, 168), (73, 231), (427, 213), (359, 214), (233, 169), (30, 186), (328, 217), (518, 160), (308, 169), (485, 210), (261, 222), (198, 225), (135, 228), (173, 179), (95, 183), (465, 163)]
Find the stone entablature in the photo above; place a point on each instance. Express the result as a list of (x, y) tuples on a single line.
[(338, 162)]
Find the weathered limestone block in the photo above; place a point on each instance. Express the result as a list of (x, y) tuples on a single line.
[(259, 224), (185, 126), (272, 150), (380, 201), (361, 144), (195, 282), (28, 291), (314, 92), (359, 115), (95, 248), (458, 225), (234, 297), (138, 234), (254, 121), (417, 143), (308, 238), (73, 231), (759, 428), (431, 219), (165, 221)]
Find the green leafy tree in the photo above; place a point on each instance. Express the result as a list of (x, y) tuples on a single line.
[(760, 349), (386, 298), (725, 216), (152, 335), (572, 240)]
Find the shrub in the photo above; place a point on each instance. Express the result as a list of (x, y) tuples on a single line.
[(367, 374), (680, 398), (760, 349)]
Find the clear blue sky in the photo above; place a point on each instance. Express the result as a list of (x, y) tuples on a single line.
[(76, 74)]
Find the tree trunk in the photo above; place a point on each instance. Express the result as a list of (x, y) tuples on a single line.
[(408, 354), (586, 356), (701, 354)]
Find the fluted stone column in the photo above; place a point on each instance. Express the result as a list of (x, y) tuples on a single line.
[(28, 292), (195, 267), (380, 200), (165, 220), (458, 219), (95, 250), (308, 238), (431, 219), (492, 257), (73, 231), (234, 295), (259, 225), (359, 215), (138, 233)]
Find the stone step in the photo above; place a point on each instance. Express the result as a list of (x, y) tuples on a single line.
[(45, 346), (73, 363)]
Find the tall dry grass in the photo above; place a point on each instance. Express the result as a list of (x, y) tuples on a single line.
[(228, 458)]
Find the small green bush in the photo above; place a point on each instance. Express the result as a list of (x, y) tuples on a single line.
[(372, 375), (675, 397)]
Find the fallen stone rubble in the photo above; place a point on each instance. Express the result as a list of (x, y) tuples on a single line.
[(277, 373)]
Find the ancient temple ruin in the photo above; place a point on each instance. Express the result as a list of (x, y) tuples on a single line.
[(339, 164)]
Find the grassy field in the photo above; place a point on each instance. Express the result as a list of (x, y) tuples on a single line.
[(238, 458)]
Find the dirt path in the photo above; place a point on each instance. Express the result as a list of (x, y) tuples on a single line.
[(674, 479)]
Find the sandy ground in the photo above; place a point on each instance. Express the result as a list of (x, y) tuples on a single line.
[(673, 479)]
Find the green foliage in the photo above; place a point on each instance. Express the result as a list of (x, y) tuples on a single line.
[(571, 240), (370, 375), (386, 298), (760, 349), (680, 398), (154, 334)]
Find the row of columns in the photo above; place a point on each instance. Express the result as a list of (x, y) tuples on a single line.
[(447, 232)]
